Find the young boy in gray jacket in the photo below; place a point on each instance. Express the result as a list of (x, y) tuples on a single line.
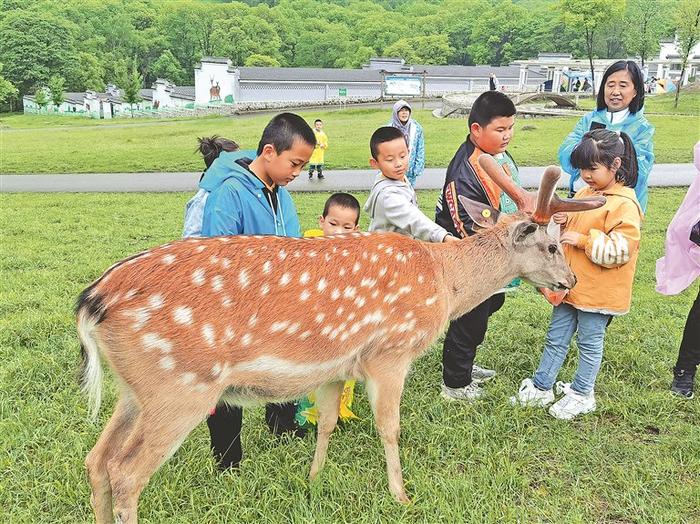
[(392, 204)]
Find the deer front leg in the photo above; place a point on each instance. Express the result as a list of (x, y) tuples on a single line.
[(328, 405), (384, 388)]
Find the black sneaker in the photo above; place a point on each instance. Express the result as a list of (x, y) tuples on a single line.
[(311, 175), (683, 381), (320, 176)]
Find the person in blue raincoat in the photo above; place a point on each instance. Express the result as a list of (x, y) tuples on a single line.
[(620, 107), (413, 133)]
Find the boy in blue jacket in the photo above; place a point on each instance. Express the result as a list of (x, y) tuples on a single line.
[(243, 193)]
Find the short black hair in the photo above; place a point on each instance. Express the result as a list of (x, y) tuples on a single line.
[(283, 130), (601, 147), (211, 146), (381, 135), (345, 200), (637, 78), (490, 105), (318, 120)]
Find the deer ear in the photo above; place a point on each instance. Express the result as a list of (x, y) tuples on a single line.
[(482, 215), (523, 232), (553, 229)]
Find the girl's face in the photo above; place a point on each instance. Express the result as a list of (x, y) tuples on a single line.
[(601, 177), (619, 91), (404, 114)]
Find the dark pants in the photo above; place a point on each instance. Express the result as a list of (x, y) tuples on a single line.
[(689, 352), (225, 429), (463, 336), (317, 167)]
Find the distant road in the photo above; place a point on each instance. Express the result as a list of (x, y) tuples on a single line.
[(336, 180)]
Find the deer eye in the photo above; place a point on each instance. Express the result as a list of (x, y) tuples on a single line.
[(552, 248)]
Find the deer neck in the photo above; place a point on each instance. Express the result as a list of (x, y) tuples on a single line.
[(475, 268)]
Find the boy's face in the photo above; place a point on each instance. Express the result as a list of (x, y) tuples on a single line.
[(392, 159), (339, 220), (494, 137), (318, 125), (284, 167)]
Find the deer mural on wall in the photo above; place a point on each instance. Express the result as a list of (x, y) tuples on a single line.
[(214, 90), (252, 319)]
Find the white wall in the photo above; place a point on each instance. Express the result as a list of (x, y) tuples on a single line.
[(208, 73)]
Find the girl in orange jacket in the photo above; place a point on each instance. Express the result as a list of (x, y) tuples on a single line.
[(601, 247)]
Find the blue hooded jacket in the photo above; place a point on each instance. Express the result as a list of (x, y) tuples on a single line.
[(232, 201), (639, 130)]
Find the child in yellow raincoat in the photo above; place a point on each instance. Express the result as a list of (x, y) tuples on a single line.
[(341, 214), (317, 157)]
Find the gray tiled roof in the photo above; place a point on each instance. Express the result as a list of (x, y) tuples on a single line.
[(308, 73), (183, 92)]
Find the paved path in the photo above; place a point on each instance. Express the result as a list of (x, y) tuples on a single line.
[(361, 179)]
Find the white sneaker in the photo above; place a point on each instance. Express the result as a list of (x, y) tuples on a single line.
[(481, 375), (532, 396), (468, 393), (572, 403)]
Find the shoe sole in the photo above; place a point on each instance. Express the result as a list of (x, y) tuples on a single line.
[(682, 396), (452, 399), (557, 416)]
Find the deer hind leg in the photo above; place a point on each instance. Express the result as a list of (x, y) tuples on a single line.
[(328, 405), (160, 429), (113, 436), (384, 387)]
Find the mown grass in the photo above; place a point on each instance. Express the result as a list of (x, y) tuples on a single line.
[(169, 146), (635, 460), (688, 104)]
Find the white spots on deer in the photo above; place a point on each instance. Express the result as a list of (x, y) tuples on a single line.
[(335, 294), (223, 239), (345, 252), (304, 296), (167, 362), (421, 279), (305, 335), (326, 329), (340, 311), (229, 333), (320, 317), (140, 315), (282, 254), (341, 272), (253, 320), (312, 254), (389, 250), (368, 282), (264, 289), (350, 292), (217, 283), (267, 267), (182, 315), (247, 339), (360, 301), (226, 263), (430, 301), (188, 378), (304, 278), (156, 301), (297, 254), (401, 257), (375, 294), (226, 301), (285, 279), (279, 326), (374, 258), (322, 284), (198, 277), (250, 251), (200, 249), (214, 259), (404, 290), (382, 271), (152, 341), (356, 267), (208, 335), (243, 278), (130, 294), (293, 328)]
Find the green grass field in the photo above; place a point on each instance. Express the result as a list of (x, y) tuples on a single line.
[(635, 460), (45, 144)]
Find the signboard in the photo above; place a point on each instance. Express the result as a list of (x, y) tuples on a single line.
[(342, 91), (401, 85)]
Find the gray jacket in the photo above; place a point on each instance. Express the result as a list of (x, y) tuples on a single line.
[(392, 206)]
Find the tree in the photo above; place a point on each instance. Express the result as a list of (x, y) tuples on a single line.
[(494, 33), (90, 74), (433, 49), (40, 98), (131, 88), (8, 92), (644, 27), (167, 67), (56, 86), (688, 26), (589, 16), (261, 61)]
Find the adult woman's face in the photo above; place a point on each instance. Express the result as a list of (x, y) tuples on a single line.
[(404, 114), (619, 91)]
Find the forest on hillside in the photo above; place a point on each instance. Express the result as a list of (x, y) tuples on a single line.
[(88, 43)]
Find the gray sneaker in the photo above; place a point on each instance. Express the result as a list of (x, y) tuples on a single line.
[(468, 393), (481, 375)]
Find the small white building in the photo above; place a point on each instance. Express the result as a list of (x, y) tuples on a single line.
[(668, 64)]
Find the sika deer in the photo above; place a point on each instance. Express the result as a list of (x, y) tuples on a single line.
[(260, 319)]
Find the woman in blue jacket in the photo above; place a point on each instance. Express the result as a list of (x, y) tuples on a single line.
[(620, 106), (413, 133)]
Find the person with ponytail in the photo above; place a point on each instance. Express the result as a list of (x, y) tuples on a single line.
[(619, 107), (601, 247)]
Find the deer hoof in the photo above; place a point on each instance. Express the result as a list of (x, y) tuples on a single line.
[(402, 498)]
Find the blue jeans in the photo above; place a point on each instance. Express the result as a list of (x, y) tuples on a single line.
[(566, 320)]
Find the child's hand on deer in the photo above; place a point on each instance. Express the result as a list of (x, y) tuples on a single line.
[(450, 238), (571, 237), (560, 218)]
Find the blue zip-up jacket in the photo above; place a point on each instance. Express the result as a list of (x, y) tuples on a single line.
[(232, 201), (639, 130)]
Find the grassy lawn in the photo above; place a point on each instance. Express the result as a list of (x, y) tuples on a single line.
[(688, 104), (85, 146), (636, 460)]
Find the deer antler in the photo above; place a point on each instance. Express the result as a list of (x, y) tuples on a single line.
[(543, 204)]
